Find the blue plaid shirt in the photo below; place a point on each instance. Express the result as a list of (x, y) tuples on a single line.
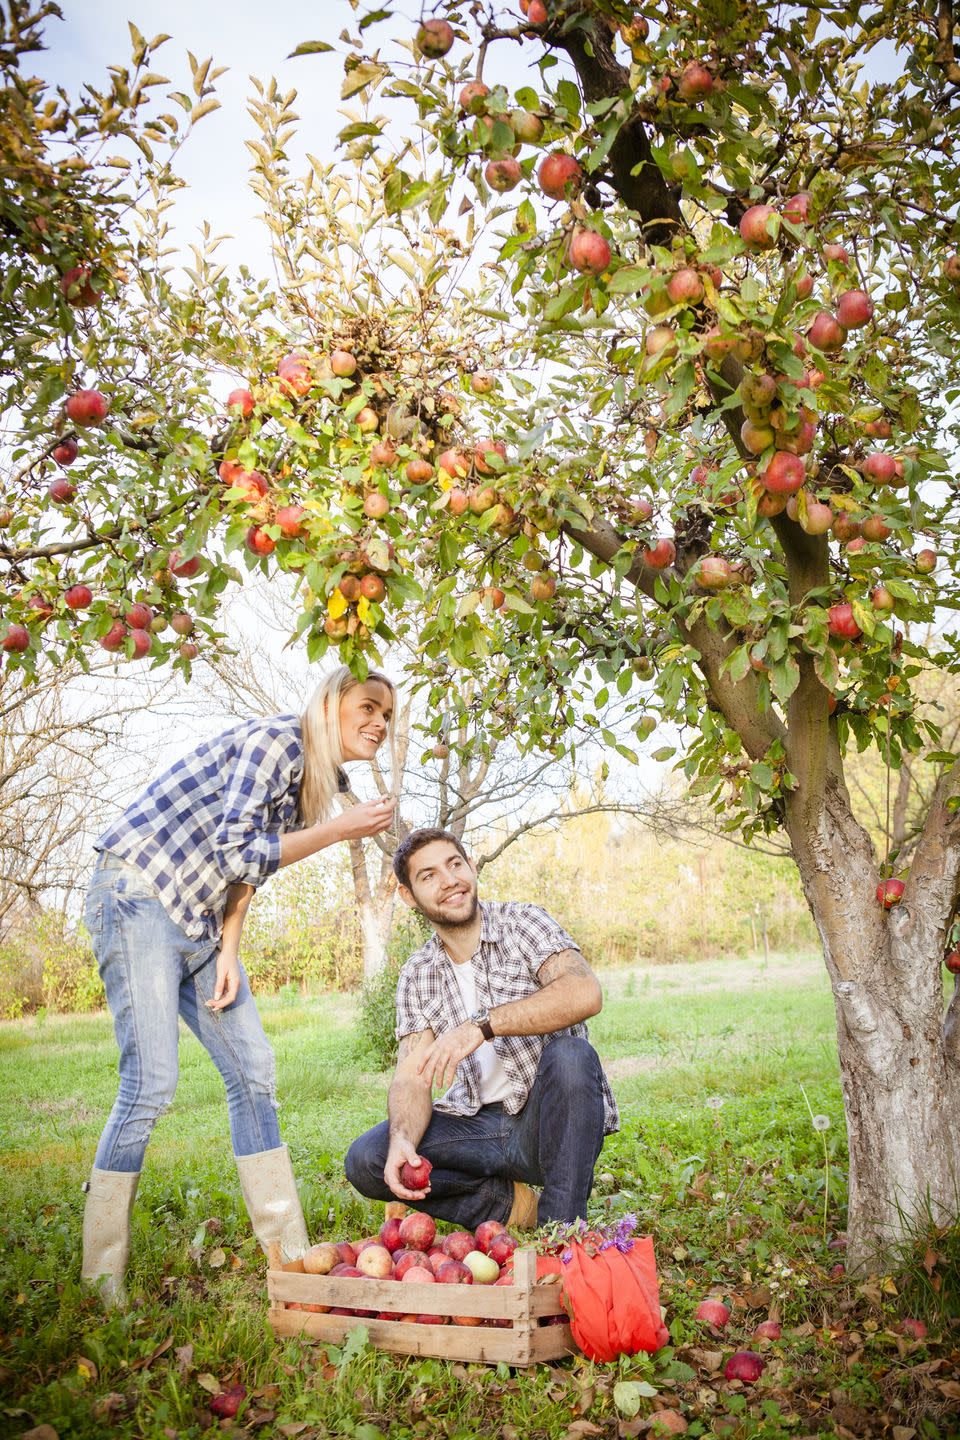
[(214, 819)]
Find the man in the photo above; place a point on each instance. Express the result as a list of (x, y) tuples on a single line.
[(491, 1007)]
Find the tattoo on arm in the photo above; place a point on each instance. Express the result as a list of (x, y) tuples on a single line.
[(565, 962), (412, 1042)]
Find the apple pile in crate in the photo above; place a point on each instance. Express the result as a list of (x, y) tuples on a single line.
[(409, 1250)]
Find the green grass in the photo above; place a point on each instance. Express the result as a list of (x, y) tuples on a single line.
[(732, 1192)]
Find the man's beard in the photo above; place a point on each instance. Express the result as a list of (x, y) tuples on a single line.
[(443, 922)]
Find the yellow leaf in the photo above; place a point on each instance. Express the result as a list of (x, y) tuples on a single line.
[(363, 609), (336, 605)]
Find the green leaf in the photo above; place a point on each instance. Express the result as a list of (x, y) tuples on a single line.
[(310, 47), (628, 1394)]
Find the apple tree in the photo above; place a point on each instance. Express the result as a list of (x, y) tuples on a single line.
[(685, 431)]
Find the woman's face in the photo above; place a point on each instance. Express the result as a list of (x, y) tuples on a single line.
[(365, 712)]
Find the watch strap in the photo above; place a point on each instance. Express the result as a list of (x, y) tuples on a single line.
[(481, 1019)]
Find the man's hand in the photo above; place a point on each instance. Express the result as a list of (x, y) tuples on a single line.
[(227, 985), (401, 1153), (438, 1064)]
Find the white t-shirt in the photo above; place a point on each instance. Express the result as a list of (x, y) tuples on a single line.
[(494, 1084)]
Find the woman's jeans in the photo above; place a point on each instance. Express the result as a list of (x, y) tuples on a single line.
[(153, 973), (553, 1141)]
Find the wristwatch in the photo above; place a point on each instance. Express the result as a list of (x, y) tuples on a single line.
[(481, 1018)]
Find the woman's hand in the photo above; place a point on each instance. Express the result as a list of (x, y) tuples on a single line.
[(227, 985), (369, 818)]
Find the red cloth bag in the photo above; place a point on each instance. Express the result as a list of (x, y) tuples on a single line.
[(612, 1298)]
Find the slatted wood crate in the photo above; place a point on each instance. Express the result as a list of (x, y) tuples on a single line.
[(521, 1341)]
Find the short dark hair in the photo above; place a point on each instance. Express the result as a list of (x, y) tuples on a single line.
[(415, 841)]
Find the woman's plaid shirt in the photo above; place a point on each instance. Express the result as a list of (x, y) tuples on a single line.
[(515, 941), (213, 819)]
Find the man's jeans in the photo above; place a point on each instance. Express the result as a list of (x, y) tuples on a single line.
[(554, 1141), (152, 972)]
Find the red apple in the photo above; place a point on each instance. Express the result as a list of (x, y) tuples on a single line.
[(483, 450), (404, 1260), (472, 91), (418, 472), (290, 520), (418, 1231), (390, 1235), (77, 289), (797, 208), (458, 1244), (60, 491), (685, 286), (803, 284), (294, 374), (756, 225), (418, 1275), (66, 452), (818, 518), (343, 363), (78, 597), (183, 569), (454, 463), (874, 528), (826, 333), (713, 572), (890, 893), (559, 175), (87, 407), (785, 473), (881, 598), (139, 617), (695, 81), (503, 175), (952, 962), (453, 1272), (437, 1257), (485, 1232), (228, 1402), (373, 588), (854, 308), (661, 340), (384, 452), (713, 1312), (880, 467), (837, 253), (768, 1330), (435, 38), (458, 502), (926, 561), (661, 554), (115, 637), (745, 1365), (841, 623), (343, 1271), (16, 639), (915, 1329), (588, 251), (349, 587), (501, 1247), (142, 641), (346, 1252), (259, 542), (375, 505), (416, 1177), (537, 12), (242, 401)]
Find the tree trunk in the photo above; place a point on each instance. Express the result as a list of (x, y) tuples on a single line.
[(899, 1059)]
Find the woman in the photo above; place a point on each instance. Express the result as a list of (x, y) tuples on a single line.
[(165, 910)]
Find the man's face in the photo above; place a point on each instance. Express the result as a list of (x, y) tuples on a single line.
[(443, 886)]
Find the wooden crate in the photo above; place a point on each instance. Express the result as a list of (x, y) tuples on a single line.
[(524, 1304)]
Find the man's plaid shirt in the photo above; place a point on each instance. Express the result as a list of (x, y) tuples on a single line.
[(213, 819), (515, 940)]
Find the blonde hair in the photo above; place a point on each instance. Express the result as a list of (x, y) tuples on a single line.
[(323, 747)]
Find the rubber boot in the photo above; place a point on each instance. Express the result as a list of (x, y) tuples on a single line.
[(270, 1195), (106, 1231)]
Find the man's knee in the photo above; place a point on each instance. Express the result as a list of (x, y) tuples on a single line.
[(364, 1162), (570, 1061)]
